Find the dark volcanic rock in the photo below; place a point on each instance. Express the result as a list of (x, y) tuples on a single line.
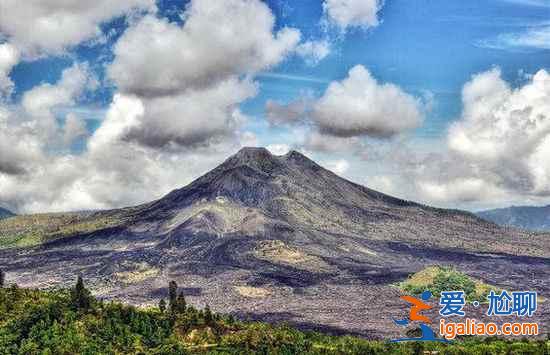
[(281, 238)]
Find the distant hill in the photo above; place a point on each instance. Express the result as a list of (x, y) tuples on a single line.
[(273, 238), (4, 213), (525, 217)]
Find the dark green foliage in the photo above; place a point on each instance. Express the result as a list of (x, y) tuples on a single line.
[(181, 304), (162, 306), (2, 278), (449, 279), (208, 319), (45, 322), (454, 281), (172, 295), (80, 296)]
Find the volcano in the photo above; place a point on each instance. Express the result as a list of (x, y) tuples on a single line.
[(276, 238)]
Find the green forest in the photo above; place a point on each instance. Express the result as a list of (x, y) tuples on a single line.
[(71, 321)]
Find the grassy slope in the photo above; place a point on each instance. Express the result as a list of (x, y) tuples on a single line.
[(36, 229), (437, 278), (46, 322), (32, 230)]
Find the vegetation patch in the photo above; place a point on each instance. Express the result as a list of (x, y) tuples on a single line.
[(73, 322), (445, 278), (252, 292), (138, 272), (278, 252), (32, 230)]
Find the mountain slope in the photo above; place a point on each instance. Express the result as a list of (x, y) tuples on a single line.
[(4, 213), (525, 217), (277, 238)]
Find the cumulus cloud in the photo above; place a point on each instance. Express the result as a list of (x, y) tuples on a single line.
[(18, 146), (191, 119), (9, 57), (190, 78), (45, 96), (313, 51), (40, 27), (38, 104), (350, 13), (500, 145), (354, 107), (219, 39), (31, 129), (359, 105)]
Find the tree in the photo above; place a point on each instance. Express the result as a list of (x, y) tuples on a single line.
[(193, 318), (172, 295), (181, 304), (162, 306), (2, 278), (80, 296), (207, 315)]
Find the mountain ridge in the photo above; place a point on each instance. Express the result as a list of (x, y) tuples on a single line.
[(534, 218), (5, 213)]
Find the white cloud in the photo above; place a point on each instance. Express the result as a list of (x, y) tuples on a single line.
[(313, 51), (339, 167), (188, 120), (349, 13), (18, 146), (356, 106), (349, 111), (30, 130), (218, 40), (9, 57), (384, 184), (40, 27), (319, 142), (460, 190), (38, 104), (291, 113), (45, 96), (73, 128), (537, 37), (190, 78), (359, 105), (278, 149), (500, 146)]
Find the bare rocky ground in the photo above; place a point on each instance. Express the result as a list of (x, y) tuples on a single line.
[(283, 240)]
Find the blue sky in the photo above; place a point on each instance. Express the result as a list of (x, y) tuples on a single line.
[(428, 49), (433, 46)]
